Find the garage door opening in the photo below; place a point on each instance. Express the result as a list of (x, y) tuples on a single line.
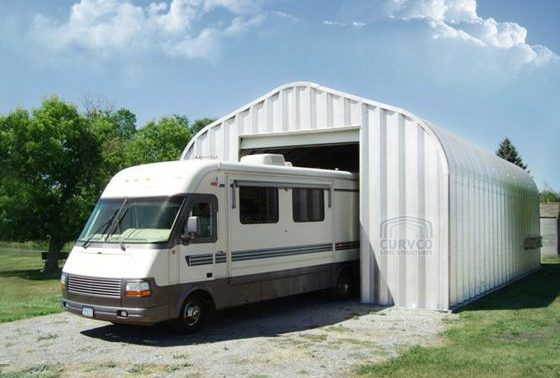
[(345, 157)]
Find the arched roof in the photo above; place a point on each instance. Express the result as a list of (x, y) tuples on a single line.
[(460, 157), (465, 158)]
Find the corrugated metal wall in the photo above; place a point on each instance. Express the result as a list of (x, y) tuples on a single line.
[(403, 181), (441, 221), (493, 208)]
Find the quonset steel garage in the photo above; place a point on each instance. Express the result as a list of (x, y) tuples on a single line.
[(442, 221)]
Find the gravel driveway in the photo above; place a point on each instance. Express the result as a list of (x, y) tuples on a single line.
[(300, 336)]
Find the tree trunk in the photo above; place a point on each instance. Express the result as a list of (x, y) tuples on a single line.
[(51, 265)]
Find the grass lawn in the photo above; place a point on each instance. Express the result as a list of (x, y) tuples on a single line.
[(514, 332), (24, 292)]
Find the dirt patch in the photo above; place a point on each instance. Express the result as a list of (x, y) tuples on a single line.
[(302, 336)]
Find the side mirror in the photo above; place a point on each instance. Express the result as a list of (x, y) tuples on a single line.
[(191, 230), (193, 226)]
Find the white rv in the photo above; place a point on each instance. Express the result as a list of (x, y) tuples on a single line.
[(178, 240)]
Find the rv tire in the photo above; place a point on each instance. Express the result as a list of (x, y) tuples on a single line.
[(344, 286), (194, 312)]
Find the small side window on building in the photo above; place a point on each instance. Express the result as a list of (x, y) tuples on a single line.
[(258, 205), (308, 205)]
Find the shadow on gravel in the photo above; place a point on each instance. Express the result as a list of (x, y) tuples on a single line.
[(268, 319)]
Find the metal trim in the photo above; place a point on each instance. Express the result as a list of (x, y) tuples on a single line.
[(255, 254), (281, 185), (196, 260), (339, 246)]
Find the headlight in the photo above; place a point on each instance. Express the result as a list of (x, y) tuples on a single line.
[(138, 289), (63, 280)]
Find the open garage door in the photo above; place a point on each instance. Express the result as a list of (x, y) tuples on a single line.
[(327, 150)]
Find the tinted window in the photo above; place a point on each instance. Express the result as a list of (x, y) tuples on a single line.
[(203, 210), (148, 220), (308, 205), (258, 205)]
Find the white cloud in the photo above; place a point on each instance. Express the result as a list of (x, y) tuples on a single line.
[(354, 24), (452, 11), (241, 25), (285, 15), (459, 20), (177, 28)]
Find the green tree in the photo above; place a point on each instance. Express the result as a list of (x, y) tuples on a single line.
[(507, 151), (199, 124), (163, 140), (182, 119), (49, 158), (549, 195), (125, 121), (113, 131)]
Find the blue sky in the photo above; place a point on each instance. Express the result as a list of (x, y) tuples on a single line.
[(483, 69)]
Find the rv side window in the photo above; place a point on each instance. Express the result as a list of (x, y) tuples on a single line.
[(258, 205), (203, 210), (308, 205)]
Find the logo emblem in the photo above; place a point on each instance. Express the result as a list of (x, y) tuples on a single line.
[(406, 236)]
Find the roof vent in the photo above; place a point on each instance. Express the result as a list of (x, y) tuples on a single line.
[(264, 159)]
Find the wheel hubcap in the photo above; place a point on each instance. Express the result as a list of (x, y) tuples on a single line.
[(344, 287), (192, 313)]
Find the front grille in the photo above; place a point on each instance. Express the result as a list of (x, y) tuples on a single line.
[(103, 287)]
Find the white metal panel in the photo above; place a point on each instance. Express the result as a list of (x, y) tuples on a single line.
[(370, 204), (403, 178), (479, 208), (493, 207), (301, 138)]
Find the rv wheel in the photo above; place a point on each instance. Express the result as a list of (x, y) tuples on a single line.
[(192, 316), (344, 286)]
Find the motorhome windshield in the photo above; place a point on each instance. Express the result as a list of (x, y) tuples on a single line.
[(146, 220)]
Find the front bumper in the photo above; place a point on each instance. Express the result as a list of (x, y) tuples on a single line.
[(140, 316)]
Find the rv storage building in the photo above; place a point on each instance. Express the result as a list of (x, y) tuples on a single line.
[(442, 221)]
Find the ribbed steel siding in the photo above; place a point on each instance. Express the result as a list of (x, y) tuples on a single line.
[(301, 107), (403, 173), (493, 208)]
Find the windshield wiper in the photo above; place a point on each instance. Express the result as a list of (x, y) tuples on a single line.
[(121, 241), (101, 228)]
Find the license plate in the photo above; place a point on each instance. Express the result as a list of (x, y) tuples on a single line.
[(87, 311)]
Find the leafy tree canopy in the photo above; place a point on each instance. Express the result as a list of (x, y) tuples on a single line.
[(199, 124), (508, 152), (182, 119), (163, 140), (548, 195), (49, 160), (111, 124), (113, 129)]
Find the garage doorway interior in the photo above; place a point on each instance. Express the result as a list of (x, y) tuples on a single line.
[(345, 157)]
